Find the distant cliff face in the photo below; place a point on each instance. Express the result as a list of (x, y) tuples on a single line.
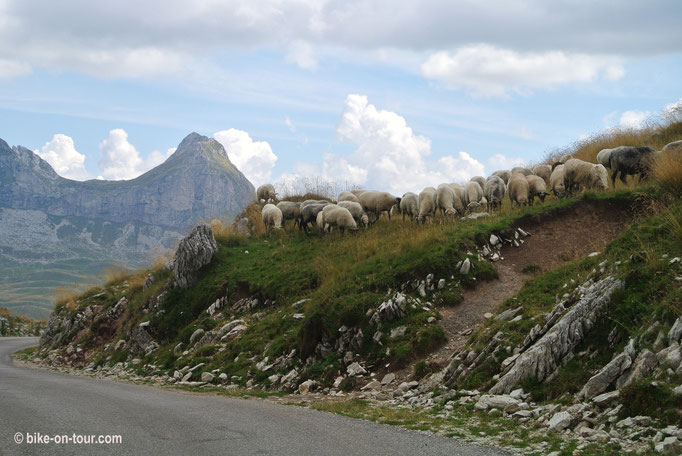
[(55, 231), (197, 182)]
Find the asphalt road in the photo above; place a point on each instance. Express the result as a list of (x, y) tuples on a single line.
[(155, 421)]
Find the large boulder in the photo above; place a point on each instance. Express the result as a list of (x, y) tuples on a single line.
[(194, 252)]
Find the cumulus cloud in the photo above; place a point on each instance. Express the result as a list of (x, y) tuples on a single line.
[(634, 119), (388, 154), (254, 159), (492, 71), (61, 154), (120, 160)]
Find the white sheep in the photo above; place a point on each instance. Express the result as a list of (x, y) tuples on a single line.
[(427, 204), (356, 211), (272, 217), (536, 187), (473, 196), (347, 196), (603, 157), (521, 169), (290, 211), (564, 158), (448, 201), (503, 174), (337, 216), (544, 171), (494, 190), (266, 192), (556, 181), (579, 174), (518, 189), (377, 202), (357, 191), (479, 179), (409, 205)]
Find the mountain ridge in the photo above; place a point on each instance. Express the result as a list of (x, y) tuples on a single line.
[(59, 231)]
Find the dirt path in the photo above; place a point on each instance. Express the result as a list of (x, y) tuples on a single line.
[(556, 238)]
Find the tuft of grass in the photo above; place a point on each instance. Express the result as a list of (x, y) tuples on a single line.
[(652, 399), (531, 268)]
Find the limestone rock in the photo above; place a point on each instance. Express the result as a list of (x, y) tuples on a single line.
[(355, 369), (560, 421), (644, 365), (670, 356), (207, 377), (496, 401), (675, 333), (194, 252), (388, 378), (547, 353), (196, 335), (599, 382)]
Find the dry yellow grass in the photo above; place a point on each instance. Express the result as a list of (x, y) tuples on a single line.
[(66, 298), (667, 169), (654, 135)]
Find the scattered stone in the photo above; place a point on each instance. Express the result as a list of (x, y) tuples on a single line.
[(441, 284), (669, 446), (670, 356), (488, 315), (306, 387), (196, 335), (496, 401), (207, 377), (466, 266), (509, 314), (494, 240), (355, 370), (374, 385), (298, 316), (605, 399), (560, 421), (388, 379), (398, 332), (599, 382)]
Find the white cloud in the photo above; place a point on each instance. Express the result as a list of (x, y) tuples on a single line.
[(254, 159), (302, 54), (388, 156), (634, 119), (61, 154), (500, 161), (487, 70), (120, 160), (10, 69)]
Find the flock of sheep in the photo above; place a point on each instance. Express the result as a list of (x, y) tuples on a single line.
[(360, 208)]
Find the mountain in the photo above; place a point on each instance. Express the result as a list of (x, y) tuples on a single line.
[(58, 232)]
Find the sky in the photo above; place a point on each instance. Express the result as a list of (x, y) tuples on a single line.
[(381, 94)]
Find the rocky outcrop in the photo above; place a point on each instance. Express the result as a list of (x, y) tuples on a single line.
[(194, 252), (545, 356)]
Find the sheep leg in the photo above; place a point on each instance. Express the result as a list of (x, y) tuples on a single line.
[(623, 178)]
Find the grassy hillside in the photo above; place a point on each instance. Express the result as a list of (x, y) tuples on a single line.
[(307, 301)]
